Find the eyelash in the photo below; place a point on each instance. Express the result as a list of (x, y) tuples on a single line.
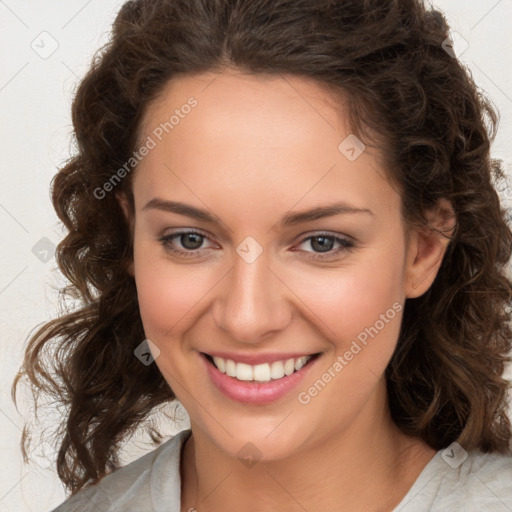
[(346, 245)]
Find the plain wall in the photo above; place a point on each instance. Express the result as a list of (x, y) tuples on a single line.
[(45, 47)]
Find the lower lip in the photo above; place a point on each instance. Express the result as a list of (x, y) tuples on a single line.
[(256, 392)]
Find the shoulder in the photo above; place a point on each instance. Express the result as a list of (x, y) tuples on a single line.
[(484, 479), (133, 487), (457, 480)]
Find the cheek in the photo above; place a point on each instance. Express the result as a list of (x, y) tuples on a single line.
[(167, 293), (351, 299), (359, 311)]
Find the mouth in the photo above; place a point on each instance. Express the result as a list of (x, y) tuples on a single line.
[(260, 373), (259, 384)]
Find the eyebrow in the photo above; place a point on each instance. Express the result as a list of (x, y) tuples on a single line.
[(290, 219)]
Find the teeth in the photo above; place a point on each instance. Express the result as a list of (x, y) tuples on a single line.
[(230, 368), (277, 370), (289, 366), (300, 362), (260, 372), (220, 364), (243, 371)]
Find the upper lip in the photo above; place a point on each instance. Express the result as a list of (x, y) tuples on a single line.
[(254, 359)]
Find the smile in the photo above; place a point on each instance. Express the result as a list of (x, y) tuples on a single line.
[(260, 372), (257, 384)]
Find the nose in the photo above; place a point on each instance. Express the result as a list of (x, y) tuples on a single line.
[(253, 303)]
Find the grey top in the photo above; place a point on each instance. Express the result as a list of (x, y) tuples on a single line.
[(452, 481)]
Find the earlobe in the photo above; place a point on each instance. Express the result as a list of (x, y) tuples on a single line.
[(426, 248)]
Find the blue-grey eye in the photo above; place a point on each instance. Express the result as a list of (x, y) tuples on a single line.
[(324, 244), (191, 241)]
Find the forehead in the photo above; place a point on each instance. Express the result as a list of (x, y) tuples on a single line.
[(262, 114), (245, 92), (263, 136)]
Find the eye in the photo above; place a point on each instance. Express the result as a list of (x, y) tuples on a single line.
[(324, 243), (189, 244), (190, 241)]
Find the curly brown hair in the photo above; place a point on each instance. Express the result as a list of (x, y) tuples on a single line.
[(445, 379)]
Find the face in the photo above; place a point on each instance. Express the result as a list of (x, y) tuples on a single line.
[(251, 280)]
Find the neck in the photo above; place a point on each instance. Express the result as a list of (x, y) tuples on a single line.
[(369, 466)]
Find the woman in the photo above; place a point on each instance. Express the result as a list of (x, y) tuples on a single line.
[(282, 215)]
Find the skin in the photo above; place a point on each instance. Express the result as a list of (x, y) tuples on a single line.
[(254, 149)]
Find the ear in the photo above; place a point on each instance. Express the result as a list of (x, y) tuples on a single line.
[(426, 248), (127, 212)]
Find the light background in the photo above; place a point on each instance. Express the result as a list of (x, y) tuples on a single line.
[(35, 96)]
